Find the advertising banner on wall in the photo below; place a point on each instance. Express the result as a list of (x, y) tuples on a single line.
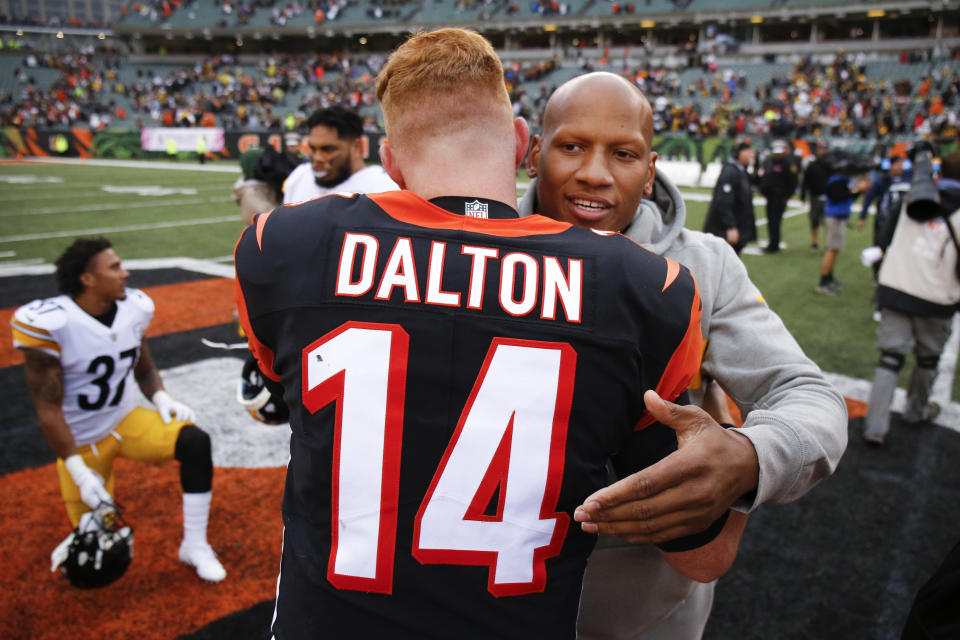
[(184, 138), (79, 142), (239, 141)]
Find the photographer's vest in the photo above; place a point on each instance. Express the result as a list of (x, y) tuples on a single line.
[(918, 275)]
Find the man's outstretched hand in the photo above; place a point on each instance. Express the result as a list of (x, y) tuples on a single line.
[(683, 493)]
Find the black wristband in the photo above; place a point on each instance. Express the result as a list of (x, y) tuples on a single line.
[(686, 543)]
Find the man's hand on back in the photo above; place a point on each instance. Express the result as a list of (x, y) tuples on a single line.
[(683, 493)]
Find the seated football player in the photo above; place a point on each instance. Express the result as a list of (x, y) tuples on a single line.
[(84, 350)]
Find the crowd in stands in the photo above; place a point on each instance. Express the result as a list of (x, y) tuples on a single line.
[(52, 20), (155, 9), (835, 99), (388, 9), (80, 95), (90, 91), (240, 12)]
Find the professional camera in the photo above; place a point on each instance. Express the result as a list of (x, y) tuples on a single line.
[(923, 201), (849, 163)]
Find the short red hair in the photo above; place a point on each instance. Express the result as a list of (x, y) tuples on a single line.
[(437, 79)]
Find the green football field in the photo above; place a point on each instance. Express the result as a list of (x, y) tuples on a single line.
[(154, 210)]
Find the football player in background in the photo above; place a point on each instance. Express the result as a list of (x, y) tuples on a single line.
[(336, 159), (594, 167), (457, 377), (84, 349)]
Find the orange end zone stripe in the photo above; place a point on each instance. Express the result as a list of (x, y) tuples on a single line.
[(855, 408), (179, 307), (245, 528)]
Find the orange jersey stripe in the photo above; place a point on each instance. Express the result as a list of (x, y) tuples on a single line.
[(673, 270), (260, 351), (261, 222), (684, 363), (408, 207)]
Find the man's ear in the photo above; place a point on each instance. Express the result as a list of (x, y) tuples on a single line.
[(86, 279), (651, 175), (522, 133), (533, 158), (357, 153), (390, 164)]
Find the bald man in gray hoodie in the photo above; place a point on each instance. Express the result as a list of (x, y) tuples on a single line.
[(594, 166)]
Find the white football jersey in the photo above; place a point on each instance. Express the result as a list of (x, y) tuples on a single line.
[(97, 360), (301, 186)]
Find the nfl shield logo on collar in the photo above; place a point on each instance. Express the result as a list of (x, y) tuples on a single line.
[(476, 209)]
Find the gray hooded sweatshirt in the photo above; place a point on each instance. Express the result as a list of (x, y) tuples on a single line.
[(795, 419)]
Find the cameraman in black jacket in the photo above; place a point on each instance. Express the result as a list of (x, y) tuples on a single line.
[(731, 213)]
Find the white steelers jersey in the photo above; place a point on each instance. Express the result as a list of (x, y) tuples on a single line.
[(301, 186), (97, 360)]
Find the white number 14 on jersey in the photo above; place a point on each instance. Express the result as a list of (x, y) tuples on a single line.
[(511, 436)]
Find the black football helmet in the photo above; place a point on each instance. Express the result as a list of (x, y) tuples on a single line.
[(255, 396), (98, 551)]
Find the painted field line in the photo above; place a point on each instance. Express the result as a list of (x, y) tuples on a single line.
[(852, 388), (96, 191), (106, 230), (946, 369), (197, 265), (83, 182), (110, 207), (136, 164)]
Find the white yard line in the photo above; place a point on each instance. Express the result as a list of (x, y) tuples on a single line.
[(105, 230), (852, 388), (946, 370), (221, 267), (949, 411), (111, 207), (136, 164), (209, 267), (97, 191)]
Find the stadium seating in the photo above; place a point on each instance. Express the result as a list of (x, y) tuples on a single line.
[(42, 76), (753, 74), (641, 7)]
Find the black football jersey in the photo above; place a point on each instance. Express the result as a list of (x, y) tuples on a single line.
[(456, 384)]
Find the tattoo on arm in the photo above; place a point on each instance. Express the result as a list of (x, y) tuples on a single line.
[(146, 374), (45, 381), (44, 377)]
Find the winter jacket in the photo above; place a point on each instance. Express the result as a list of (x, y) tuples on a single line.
[(732, 204)]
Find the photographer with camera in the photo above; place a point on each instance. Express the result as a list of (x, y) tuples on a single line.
[(919, 290)]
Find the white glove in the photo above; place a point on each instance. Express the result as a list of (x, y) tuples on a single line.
[(92, 491), (61, 553), (170, 408), (871, 256)]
